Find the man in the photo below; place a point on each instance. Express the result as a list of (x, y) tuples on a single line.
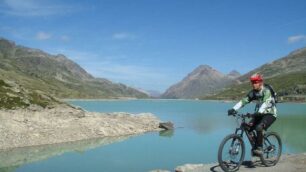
[(265, 110)]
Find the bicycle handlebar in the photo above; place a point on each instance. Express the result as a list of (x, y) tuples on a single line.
[(247, 115)]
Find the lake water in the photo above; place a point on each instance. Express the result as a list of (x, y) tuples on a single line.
[(200, 127)]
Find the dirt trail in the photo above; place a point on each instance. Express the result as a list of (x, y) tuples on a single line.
[(288, 163)]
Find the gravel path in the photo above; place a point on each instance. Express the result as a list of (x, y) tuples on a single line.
[(288, 163)]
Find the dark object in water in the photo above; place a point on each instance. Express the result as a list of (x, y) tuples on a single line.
[(166, 125)]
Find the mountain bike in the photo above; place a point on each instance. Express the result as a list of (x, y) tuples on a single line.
[(232, 149)]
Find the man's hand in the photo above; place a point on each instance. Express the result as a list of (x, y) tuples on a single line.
[(231, 112), (249, 115)]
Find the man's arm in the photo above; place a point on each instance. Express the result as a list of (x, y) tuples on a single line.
[(244, 101)]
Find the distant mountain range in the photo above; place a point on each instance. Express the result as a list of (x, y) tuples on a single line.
[(31, 76), (152, 93), (287, 75), (203, 81), (55, 75)]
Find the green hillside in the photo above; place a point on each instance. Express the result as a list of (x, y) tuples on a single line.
[(290, 87), (287, 75), (292, 63), (14, 96)]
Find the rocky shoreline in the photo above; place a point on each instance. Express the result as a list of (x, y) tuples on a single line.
[(287, 163), (37, 126)]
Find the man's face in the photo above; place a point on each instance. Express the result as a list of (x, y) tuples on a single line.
[(256, 85)]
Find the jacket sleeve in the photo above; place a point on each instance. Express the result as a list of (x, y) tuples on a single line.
[(244, 101), (266, 103)]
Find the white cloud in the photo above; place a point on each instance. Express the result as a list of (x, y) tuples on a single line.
[(65, 38), (25, 8), (296, 38), (123, 36), (43, 36)]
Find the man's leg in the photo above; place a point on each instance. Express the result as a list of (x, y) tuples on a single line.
[(255, 121), (264, 124)]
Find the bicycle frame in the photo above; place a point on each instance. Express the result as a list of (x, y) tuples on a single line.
[(243, 129)]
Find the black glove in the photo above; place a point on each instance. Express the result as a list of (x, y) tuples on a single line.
[(231, 112), (256, 114), (249, 115)]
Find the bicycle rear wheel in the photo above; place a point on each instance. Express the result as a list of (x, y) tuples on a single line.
[(231, 153), (272, 149)]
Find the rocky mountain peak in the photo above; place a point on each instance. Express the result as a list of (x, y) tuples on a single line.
[(204, 67), (204, 71), (233, 74), (73, 67), (203, 80)]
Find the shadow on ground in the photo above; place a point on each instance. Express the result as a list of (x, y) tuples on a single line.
[(245, 165)]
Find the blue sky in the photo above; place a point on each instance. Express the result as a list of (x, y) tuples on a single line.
[(152, 44)]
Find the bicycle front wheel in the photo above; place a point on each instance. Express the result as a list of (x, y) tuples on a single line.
[(272, 149), (231, 153)]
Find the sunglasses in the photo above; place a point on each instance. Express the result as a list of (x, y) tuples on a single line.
[(256, 82)]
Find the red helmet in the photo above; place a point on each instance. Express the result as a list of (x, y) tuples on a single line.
[(256, 78)]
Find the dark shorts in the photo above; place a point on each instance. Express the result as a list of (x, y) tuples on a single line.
[(263, 121)]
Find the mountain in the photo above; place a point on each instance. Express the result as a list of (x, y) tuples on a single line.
[(233, 74), (204, 80), (287, 75), (55, 75), (294, 62), (150, 93), (154, 93)]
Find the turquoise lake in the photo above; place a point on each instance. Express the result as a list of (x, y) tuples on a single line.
[(200, 126)]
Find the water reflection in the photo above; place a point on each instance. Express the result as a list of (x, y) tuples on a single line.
[(292, 131), (205, 124), (166, 133), (291, 128), (12, 159)]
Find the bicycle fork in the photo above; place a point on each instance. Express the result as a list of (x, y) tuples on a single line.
[(236, 146)]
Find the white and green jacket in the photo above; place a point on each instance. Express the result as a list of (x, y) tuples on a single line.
[(265, 103)]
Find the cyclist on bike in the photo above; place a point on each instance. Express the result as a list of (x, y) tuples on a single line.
[(265, 110)]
